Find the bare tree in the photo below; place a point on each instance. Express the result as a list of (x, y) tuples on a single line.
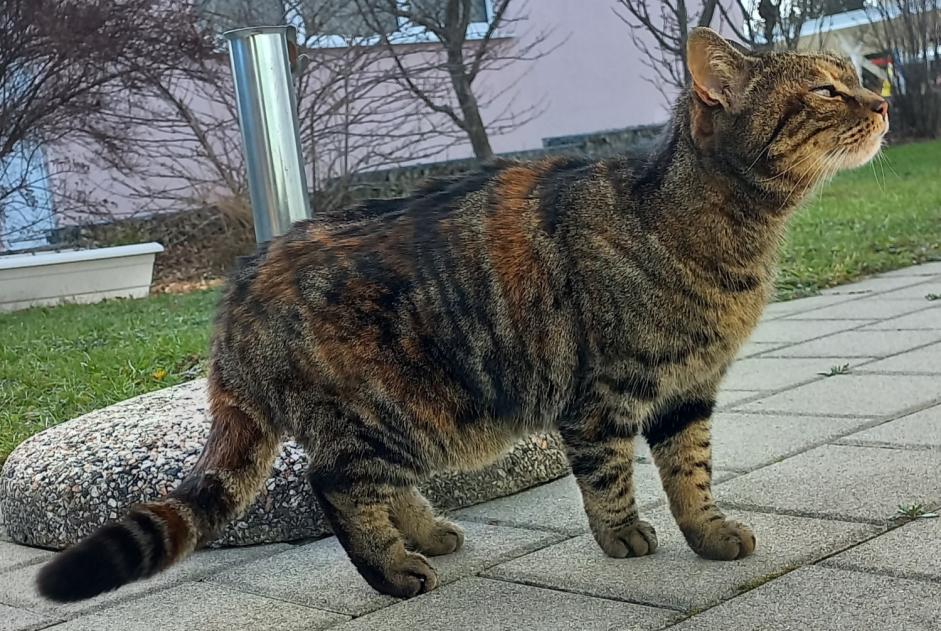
[(59, 61), (774, 23), (175, 140), (659, 30), (910, 31), (446, 77)]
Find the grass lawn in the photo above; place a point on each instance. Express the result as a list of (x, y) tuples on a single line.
[(877, 218), (58, 363)]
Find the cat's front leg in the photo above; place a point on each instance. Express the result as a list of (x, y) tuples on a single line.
[(679, 439), (601, 452)]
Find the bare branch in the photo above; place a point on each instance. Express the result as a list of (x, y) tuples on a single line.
[(442, 71)]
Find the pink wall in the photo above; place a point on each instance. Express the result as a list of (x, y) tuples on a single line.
[(593, 80)]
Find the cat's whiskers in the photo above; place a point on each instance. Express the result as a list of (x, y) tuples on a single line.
[(789, 169), (828, 162), (761, 153), (875, 174), (885, 162)]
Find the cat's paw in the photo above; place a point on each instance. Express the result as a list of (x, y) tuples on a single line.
[(445, 538), (410, 576), (637, 540), (722, 540)]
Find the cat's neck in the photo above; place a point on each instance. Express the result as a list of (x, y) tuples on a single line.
[(709, 166), (710, 208)]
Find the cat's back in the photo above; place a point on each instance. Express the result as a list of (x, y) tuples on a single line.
[(449, 224)]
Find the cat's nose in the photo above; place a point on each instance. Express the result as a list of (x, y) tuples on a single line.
[(880, 106)]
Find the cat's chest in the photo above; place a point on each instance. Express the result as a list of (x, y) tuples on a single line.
[(708, 344), (684, 347)]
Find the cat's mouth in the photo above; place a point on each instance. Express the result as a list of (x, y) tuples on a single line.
[(864, 150)]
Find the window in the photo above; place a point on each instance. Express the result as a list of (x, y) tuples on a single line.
[(438, 7), (229, 14), (481, 12), (336, 23), (26, 214), (342, 18)]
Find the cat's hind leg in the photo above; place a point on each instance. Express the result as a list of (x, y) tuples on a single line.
[(424, 531), (360, 515)]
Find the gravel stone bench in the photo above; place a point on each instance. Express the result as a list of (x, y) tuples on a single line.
[(61, 484)]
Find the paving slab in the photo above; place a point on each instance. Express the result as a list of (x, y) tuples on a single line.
[(924, 291), (205, 607), (924, 319), (874, 285), (776, 373), (921, 429), (859, 344), (853, 395), (729, 398), (790, 307), (823, 599), (320, 574), (13, 556), (742, 442), (925, 269), (674, 576), (923, 360), (749, 441), (909, 551), (873, 308), (750, 349), (16, 619), (17, 587), (473, 604), (557, 506), (840, 482), (792, 331)]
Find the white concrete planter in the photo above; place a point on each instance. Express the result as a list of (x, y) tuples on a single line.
[(84, 276)]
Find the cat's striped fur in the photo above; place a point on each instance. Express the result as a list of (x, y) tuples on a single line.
[(605, 299)]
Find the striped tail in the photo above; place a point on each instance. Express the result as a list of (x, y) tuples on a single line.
[(234, 464)]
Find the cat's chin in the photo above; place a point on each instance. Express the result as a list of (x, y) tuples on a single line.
[(864, 153)]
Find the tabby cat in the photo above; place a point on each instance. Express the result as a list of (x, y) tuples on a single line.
[(603, 299)]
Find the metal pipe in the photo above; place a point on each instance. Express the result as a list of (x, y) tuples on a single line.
[(263, 59)]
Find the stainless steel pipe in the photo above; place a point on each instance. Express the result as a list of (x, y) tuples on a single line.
[(263, 59)]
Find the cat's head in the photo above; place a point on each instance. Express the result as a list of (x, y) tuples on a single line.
[(785, 120)]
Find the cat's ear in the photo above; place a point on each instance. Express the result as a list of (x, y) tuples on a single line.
[(718, 70)]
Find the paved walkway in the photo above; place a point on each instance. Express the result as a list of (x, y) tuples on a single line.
[(817, 464)]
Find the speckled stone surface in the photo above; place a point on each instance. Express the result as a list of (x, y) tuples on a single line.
[(61, 484)]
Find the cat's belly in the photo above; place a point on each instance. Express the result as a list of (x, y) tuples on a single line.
[(702, 369), (476, 447)]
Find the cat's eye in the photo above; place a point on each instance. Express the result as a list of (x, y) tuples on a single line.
[(826, 91)]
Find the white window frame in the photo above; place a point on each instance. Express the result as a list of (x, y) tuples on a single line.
[(406, 33)]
